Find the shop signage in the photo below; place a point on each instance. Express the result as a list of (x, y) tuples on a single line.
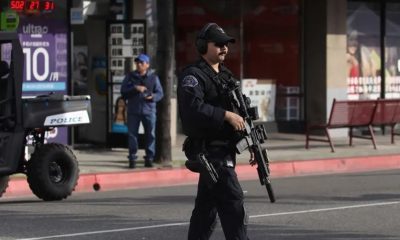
[(32, 6), (45, 50), (44, 40), (77, 16), (9, 21), (262, 94)]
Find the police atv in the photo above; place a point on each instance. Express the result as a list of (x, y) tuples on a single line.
[(52, 169)]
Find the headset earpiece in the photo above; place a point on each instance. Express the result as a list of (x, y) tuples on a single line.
[(201, 45), (201, 42)]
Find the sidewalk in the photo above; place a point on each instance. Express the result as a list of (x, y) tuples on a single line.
[(106, 169)]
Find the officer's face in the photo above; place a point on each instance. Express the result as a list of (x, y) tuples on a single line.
[(216, 52)]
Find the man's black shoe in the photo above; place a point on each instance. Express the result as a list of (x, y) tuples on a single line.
[(132, 165), (148, 163)]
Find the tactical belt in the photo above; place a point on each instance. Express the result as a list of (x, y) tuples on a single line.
[(204, 144), (195, 151)]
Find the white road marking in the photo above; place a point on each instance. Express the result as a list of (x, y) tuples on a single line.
[(187, 223), (108, 231), (326, 209)]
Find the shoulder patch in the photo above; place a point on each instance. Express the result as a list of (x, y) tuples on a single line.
[(189, 81)]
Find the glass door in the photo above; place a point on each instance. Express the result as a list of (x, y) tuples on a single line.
[(126, 40)]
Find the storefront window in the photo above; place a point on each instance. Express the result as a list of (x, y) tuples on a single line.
[(363, 50), (192, 15), (271, 57), (392, 51), (266, 52)]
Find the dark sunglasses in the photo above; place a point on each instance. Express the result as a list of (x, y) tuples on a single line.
[(139, 62), (220, 44)]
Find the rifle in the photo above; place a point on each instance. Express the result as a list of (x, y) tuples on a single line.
[(253, 136)]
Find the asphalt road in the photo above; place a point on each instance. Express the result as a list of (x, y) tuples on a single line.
[(346, 206)]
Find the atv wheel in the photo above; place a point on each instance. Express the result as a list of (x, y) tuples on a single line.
[(52, 172), (3, 184)]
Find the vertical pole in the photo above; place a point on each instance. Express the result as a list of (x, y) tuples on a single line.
[(70, 86), (303, 82), (382, 46), (241, 38)]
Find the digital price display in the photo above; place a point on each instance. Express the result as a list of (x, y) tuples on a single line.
[(47, 6), (32, 6), (17, 5)]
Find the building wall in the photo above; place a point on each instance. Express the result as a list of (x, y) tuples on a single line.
[(336, 51), (324, 57), (336, 56), (139, 9)]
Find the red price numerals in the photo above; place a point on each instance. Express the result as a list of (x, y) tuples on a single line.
[(47, 6), (17, 5), (33, 6)]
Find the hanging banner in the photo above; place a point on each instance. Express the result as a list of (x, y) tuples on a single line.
[(45, 47), (43, 33), (45, 50)]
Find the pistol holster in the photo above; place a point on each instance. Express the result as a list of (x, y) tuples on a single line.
[(197, 162)]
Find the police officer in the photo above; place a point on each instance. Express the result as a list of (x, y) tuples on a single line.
[(210, 124)]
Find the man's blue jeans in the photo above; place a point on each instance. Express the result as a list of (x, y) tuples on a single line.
[(149, 125)]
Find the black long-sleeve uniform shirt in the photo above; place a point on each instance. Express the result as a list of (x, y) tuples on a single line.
[(202, 104)]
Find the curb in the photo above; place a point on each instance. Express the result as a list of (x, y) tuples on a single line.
[(181, 176)]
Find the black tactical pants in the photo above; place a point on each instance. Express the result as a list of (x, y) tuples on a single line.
[(224, 198)]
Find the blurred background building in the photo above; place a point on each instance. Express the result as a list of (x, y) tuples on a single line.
[(293, 57)]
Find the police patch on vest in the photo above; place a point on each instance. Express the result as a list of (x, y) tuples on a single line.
[(189, 81)]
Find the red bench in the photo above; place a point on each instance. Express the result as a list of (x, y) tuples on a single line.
[(359, 113), (346, 114), (387, 113)]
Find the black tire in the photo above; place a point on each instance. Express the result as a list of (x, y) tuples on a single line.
[(52, 172), (3, 184)]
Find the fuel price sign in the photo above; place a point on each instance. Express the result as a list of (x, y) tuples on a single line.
[(32, 6)]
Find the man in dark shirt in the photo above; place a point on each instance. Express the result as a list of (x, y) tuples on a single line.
[(142, 89), (210, 124)]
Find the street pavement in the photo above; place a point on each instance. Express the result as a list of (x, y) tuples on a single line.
[(107, 169), (351, 206)]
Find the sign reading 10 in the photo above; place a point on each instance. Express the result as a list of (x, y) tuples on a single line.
[(35, 58)]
